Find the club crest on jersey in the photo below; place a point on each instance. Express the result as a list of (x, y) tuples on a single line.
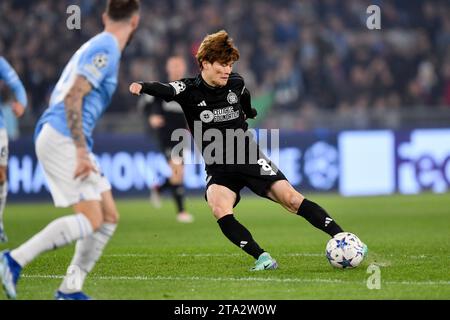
[(179, 86), (232, 98), (100, 60), (206, 116)]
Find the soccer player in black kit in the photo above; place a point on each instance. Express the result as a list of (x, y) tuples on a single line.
[(218, 100), (164, 118)]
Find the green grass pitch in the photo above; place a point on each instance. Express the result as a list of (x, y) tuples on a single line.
[(152, 256)]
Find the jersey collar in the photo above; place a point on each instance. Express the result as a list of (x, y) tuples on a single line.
[(200, 81)]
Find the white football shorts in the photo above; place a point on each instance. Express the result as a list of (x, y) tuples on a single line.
[(3, 147), (57, 156)]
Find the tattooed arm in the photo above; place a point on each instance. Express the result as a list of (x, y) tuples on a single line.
[(73, 103)]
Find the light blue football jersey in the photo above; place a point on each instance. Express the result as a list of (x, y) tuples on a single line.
[(98, 61), (10, 77)]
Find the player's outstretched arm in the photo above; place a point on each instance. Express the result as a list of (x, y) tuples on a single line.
[(154, 88), (73, 103)]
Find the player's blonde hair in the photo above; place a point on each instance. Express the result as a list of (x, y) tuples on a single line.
[(217, 47)]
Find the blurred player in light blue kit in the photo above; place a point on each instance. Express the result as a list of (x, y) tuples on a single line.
[(10, 77), (63, 139)]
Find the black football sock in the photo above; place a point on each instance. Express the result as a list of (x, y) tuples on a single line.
[(178, 195), (318, 217), (239, 235)]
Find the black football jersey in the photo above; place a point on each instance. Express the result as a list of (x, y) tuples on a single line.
[(218, 108), (211, 112), (214, 108)]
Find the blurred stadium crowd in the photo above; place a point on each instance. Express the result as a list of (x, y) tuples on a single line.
[(304, 56)]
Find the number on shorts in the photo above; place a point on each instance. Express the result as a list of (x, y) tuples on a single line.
[(266, 167)]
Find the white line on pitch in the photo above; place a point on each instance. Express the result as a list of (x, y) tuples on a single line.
[(206, 254), (281, 280), (299, 254)]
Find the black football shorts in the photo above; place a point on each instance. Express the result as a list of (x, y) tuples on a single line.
[(257, 177)]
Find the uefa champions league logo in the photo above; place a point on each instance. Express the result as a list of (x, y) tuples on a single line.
[(100, 60), (321, 165)]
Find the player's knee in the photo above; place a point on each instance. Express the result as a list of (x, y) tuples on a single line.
[(115, 219), (293, 201), (218, 210), (96, 220), (215, 208), (2, 175), (92, 210), (111, 217)]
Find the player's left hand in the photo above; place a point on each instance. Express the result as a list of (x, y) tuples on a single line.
[(18, 109), (84, 165), (252, 115)]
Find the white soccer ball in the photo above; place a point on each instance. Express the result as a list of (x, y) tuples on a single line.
[(345, 250)]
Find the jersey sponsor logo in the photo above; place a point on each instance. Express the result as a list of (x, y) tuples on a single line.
[(100, 60), (206, 116), (219, 115), (179, 86), (232, 98)]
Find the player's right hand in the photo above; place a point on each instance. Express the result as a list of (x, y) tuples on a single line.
[(135, 88), (84, 164)]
